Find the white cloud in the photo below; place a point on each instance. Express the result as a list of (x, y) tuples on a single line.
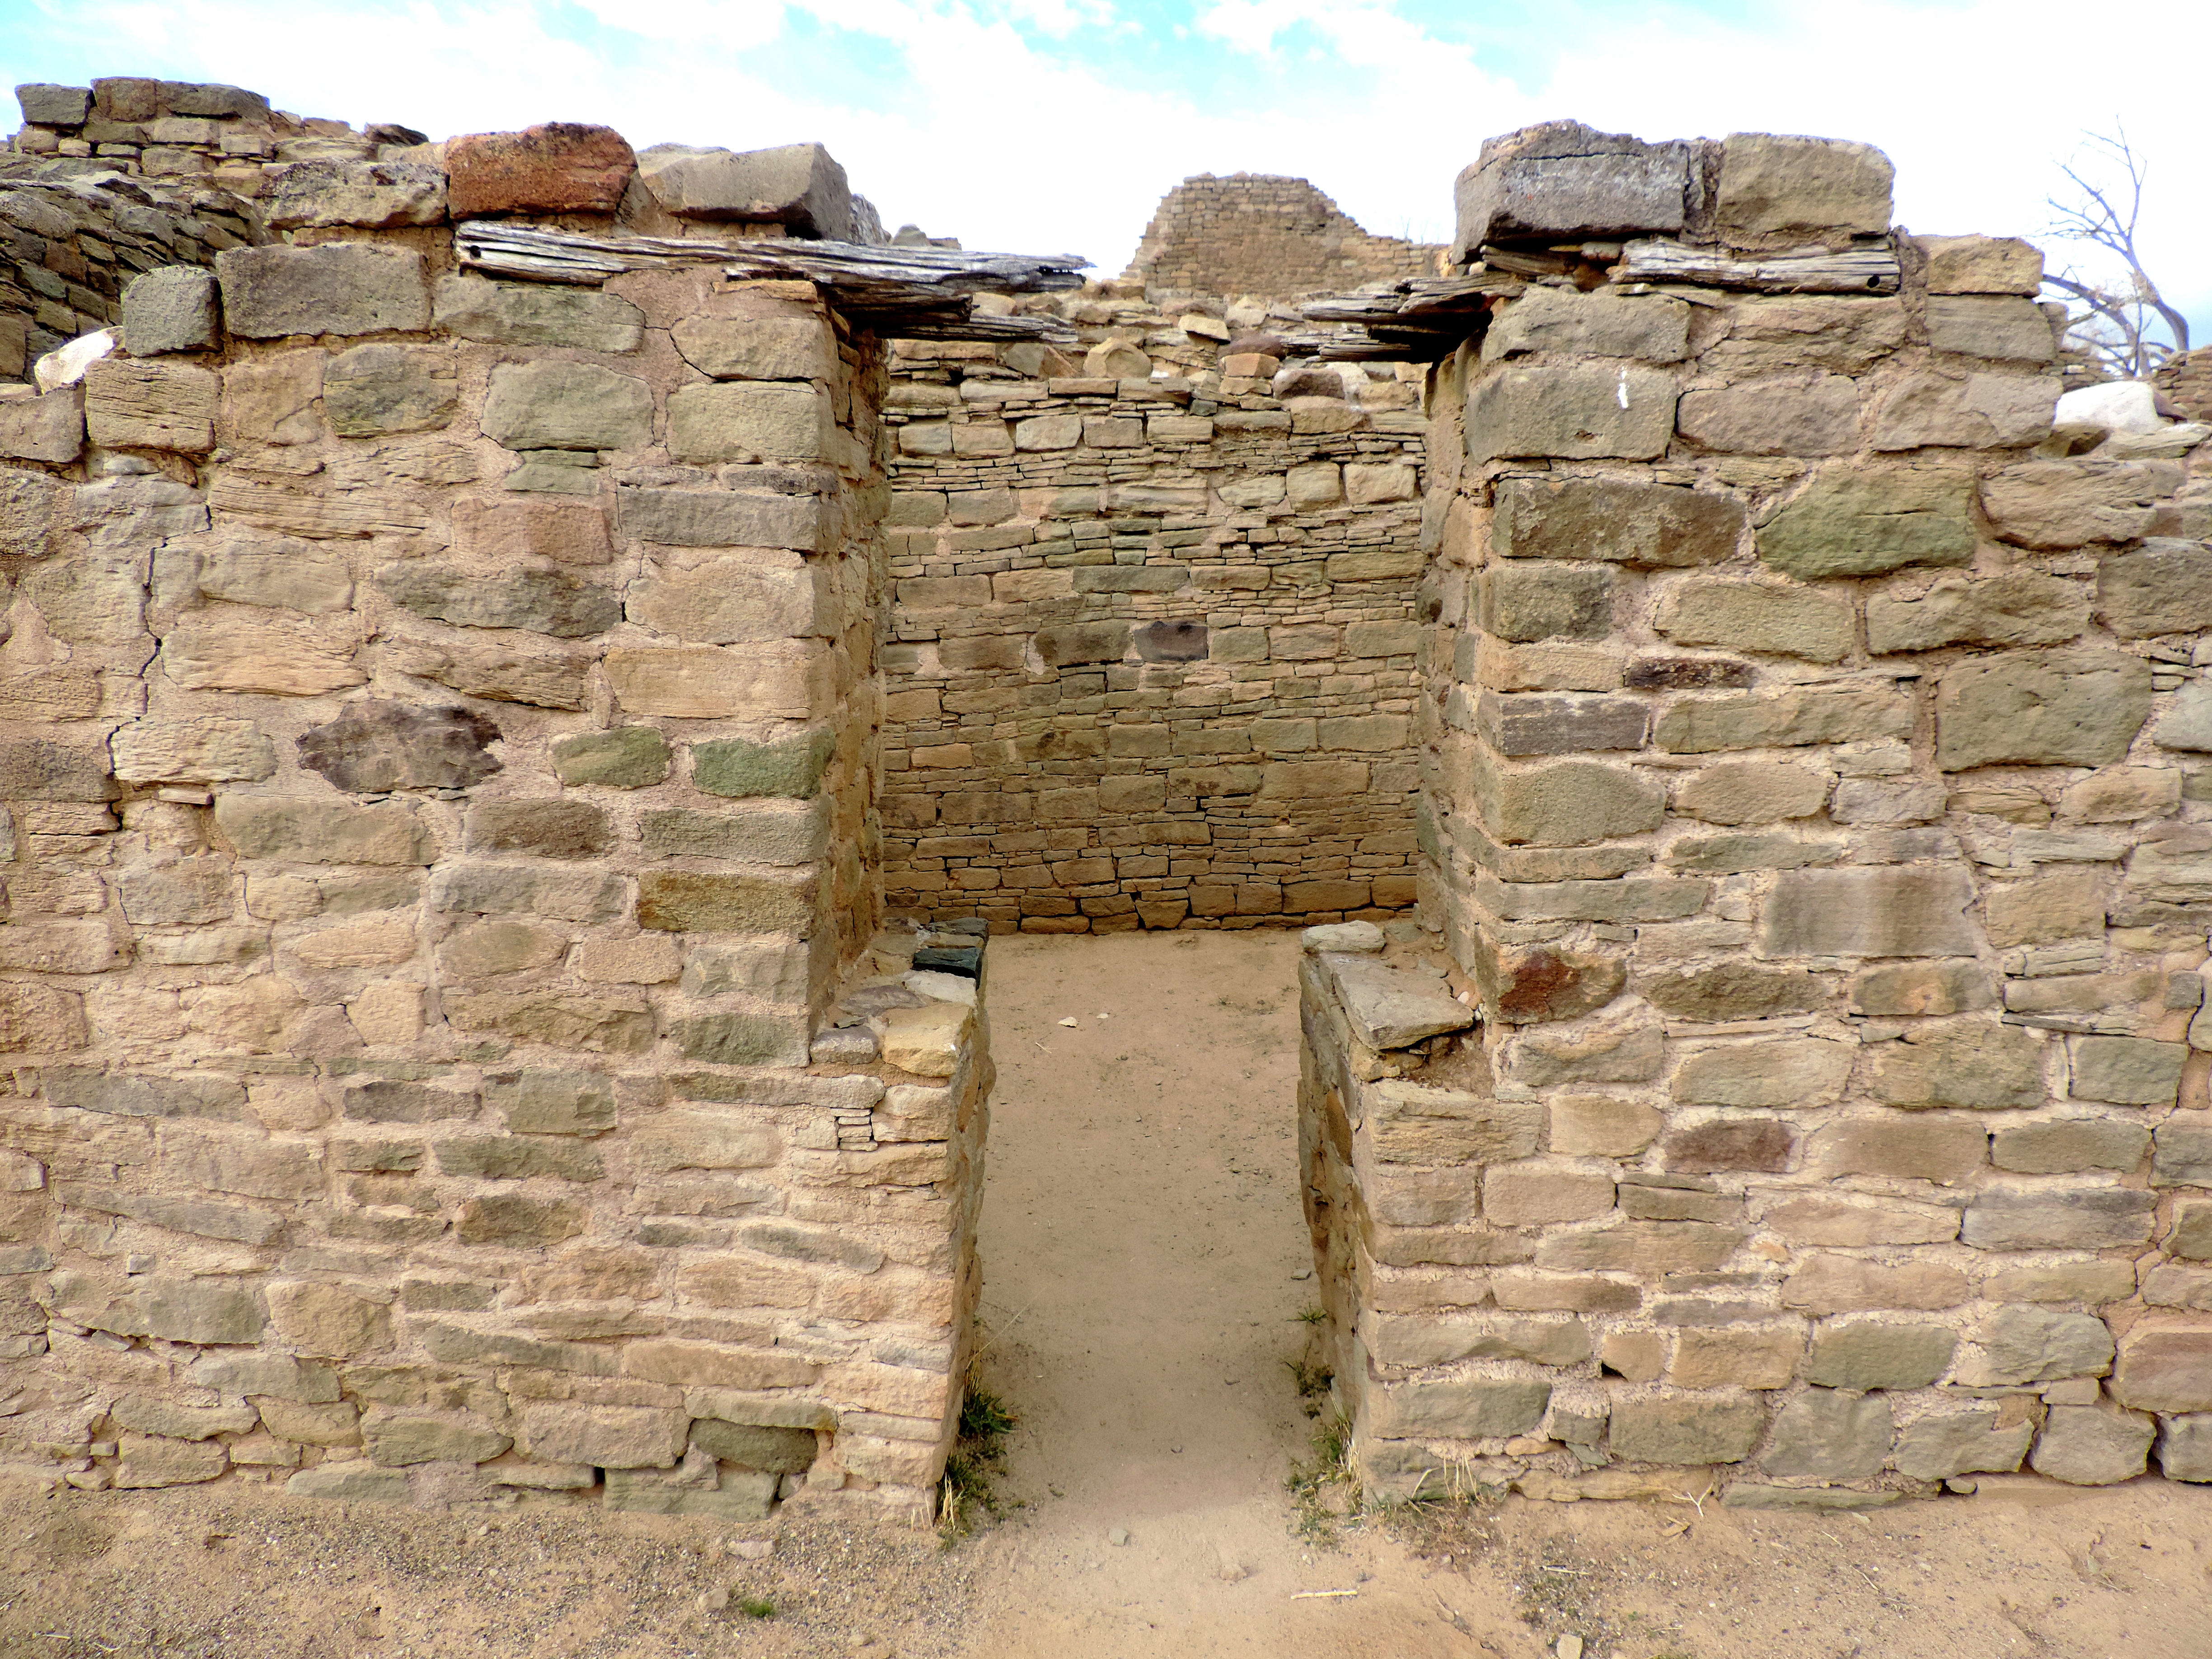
[(692, 23), (1029, 124)]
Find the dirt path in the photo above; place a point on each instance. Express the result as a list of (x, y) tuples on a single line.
[(1145, 1262), (1143, 1248)]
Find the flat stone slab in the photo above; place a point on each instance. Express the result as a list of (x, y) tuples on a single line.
[(1744, 1496), (1359, 936), (1389, 1007)]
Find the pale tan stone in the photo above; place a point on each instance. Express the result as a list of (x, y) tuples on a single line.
[(1314, 484), (1368, 484), (387, 1012), (1599, 1125), (2119, 794), (1744, 1357), (1751, 791), (271, 399), (328, 1321), (779, 679), (645, 959), (926, 1040), (1533, 1195), (360, 945), (227, 649), (1504, 666), (150, 406)]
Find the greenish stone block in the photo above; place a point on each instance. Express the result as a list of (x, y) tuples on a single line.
[(732, 766), (1862, 524), (1745, 1496), (744, 1495), (626, 758), (733, 1039)]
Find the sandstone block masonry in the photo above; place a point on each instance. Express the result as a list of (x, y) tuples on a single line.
[(1154, 641), (455, 1047), (440, 748), (1815, 815)]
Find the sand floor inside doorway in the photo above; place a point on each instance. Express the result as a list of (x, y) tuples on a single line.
[(1144, 1262)]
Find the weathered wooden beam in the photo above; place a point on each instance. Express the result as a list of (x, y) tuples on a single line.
[(966, 326), (894, 289), (525, 252), (1422, 296), (1415, 321), (1868, 269)]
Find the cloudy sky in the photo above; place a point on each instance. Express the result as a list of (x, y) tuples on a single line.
[(1046, 125)]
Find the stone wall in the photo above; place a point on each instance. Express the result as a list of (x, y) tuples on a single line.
[(1153, 633), (1264, 235), (1817, 810), (102, 182), (441, 748), (74, 239), (2186, 382), (459, 736)]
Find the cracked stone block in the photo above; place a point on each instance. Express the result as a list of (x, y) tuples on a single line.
[(171, 309), (2097, 1445), (799, 186), (1561, 180), (558, 167)]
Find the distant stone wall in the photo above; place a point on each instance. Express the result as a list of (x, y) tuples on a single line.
[(1819, 817), (2187, 382), (1154, 642), (1263, 235), (439, 755), (103, 182), (74, 241)]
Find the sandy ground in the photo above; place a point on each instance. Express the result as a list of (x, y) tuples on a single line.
[(1145, 1265)]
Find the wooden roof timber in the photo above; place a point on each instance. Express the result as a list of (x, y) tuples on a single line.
[(909, 293)]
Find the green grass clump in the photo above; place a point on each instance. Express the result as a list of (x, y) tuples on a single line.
[(1325, 1474), (973, 1466)]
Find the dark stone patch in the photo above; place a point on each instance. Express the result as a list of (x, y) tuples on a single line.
[(1687, 674), (863, 1004), (778, 1451), (1662, 525), (1737, 990), (966, 960), (1172, 642), (1756, 1144), (1542, 984), (555, 829), (374, 747)]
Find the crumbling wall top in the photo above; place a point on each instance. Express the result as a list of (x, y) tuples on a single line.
[(1266, 235)]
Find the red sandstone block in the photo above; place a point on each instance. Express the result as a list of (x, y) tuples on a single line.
[(558, 168)]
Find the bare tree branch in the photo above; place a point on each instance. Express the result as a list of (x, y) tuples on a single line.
[(2117, 328)]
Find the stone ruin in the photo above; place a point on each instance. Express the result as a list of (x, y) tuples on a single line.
[(1262, 235), (533, 672)]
